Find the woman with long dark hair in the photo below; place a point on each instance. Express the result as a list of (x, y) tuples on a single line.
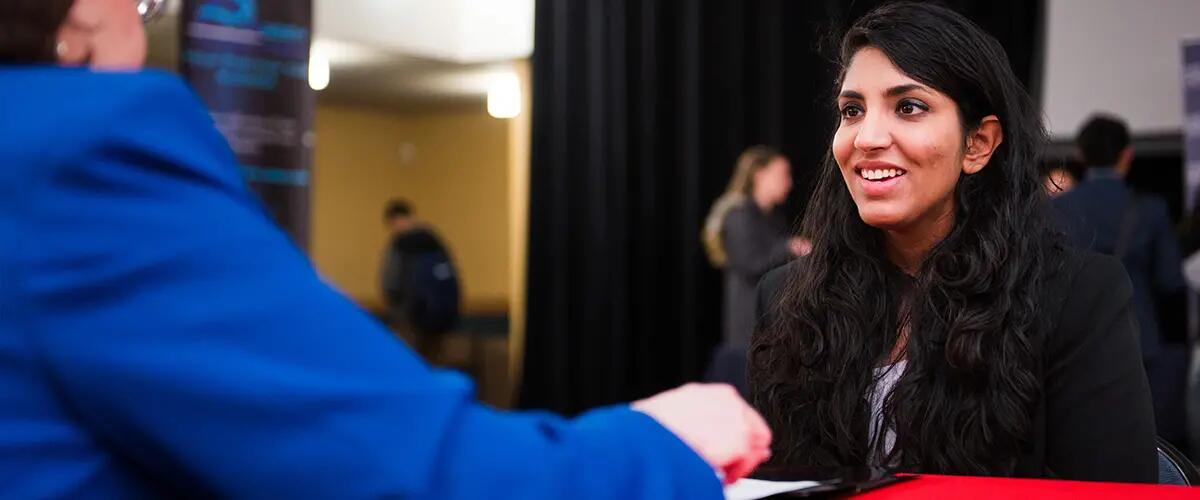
[(938, 324)]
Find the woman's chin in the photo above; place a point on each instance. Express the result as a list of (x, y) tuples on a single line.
[(881, 217)]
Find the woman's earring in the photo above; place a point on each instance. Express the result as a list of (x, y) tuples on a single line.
[(61, 48)]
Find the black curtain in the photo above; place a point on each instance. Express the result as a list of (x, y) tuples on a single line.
[(640, 108)]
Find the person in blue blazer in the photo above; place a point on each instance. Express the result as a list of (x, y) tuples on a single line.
[(161, 337)]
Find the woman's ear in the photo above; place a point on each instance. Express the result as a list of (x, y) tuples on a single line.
[(981, 143), (102, 34), (74, 43)]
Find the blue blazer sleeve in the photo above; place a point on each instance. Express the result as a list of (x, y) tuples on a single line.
[(190, 337)]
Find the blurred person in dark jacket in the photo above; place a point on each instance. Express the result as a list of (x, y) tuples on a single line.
[(1104, 214), (746, 237)]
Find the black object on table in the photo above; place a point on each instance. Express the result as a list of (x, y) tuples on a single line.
[(834, 481)]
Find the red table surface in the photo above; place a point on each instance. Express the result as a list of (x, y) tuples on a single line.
[(983, 488)]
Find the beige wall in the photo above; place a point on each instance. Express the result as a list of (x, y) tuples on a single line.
[(456, 176), (519, 145)]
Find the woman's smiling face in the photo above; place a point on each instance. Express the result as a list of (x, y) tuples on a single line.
[(899, 145)]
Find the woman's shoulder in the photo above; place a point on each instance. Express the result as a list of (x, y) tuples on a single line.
[(68, 114), (737, 205), (774, 279), (83, 97), (1076, 283), (1082, 287), (773, 282), (1073, 273)]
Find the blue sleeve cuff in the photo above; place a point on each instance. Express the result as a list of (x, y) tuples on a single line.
[(650, 446)]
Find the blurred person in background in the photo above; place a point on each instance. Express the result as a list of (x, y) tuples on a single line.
[(938, 325), (1189, 236), (418, 280), (161, 337), (1102, 213), (746, 237), (1189, 245)]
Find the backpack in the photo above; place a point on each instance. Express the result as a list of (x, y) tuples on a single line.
[(420, 282), (431, 291)]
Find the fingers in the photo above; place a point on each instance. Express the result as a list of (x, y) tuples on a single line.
[(735, 471), (759, 446), (744, 466), (760, 432), (716, 423)]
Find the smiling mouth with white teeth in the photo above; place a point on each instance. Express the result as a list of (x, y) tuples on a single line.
[(880, 174)]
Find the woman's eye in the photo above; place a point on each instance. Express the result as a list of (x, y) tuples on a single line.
[(911, 107), (851, 111)]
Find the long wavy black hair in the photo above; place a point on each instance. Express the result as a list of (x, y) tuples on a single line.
[(965, 402)]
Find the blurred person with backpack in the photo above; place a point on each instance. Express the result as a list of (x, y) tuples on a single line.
[(418, 278)]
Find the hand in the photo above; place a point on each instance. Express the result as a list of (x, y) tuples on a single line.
[(800, 246), (716, 423)]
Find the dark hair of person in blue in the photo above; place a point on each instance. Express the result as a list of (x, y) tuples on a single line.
[(29, 29)]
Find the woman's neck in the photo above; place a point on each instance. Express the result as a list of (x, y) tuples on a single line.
[(764, 202), (908, 248)]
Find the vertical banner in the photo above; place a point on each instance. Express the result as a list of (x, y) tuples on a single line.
[(1191, 173), (1191, 160), (1191, 119), (248, 61)]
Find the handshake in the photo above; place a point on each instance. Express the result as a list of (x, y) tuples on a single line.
[(716, 423)]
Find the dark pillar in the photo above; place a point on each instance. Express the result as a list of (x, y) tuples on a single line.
[(248, 61)]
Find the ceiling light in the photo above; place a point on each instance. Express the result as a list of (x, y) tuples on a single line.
[(318, 68), (504, 96)]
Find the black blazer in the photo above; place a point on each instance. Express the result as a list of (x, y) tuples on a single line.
[(1095, 419), (755, 243)]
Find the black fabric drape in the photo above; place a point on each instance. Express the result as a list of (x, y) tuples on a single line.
[(640, 108)]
